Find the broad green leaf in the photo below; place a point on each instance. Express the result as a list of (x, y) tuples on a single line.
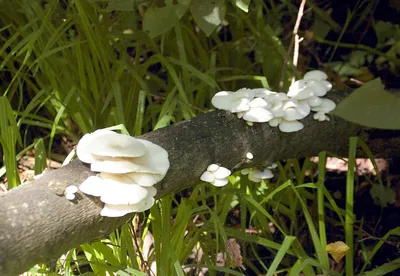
[(243, 4), (120, 5), (382, 195), (208, 14), (371, 106), (160, 20)]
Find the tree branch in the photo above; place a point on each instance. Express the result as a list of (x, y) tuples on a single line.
[(37, 223)]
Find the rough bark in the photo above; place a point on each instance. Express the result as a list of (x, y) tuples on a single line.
[(37, 223)]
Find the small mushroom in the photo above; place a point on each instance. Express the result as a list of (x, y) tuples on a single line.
[(249, 155), (290, 126), (326, 106), (257, 175), (207, 177), (70, 192), (221, 173), (315, 75), (212, 167), (313, 101), (320, 89)]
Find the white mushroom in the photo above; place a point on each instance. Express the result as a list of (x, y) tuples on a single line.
[(258, 115), (222, 100), (212, 167), (313, 101), (275, 121), (326, 106), (119, 210), (295, 110), (315, 75), (258, 102), (300, 90), (220, 182), (240, 104), (321, 116), (320, 89), (216, 175), (108, 143), (256, 175), (70, 192), (154, 161), (263, 93), (145, 179), (249, 155), (222, 173), (290, 126), (207, 177), (114, 189)]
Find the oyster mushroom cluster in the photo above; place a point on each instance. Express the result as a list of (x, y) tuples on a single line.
[(128, 168), (279, 109), (216, 175)]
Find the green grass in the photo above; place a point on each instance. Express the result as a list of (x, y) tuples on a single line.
[(68, 69)]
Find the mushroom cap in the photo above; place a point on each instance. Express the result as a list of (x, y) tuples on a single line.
[(319, 88), (300, 90), (314, 101), (262, 93), (321, 116), (275, 122), (92, 186), (222, 100), (123, 193), (265, 174), (290, 126), (71, 189), (290, 104), (292, 114), (278, 97), (207, 177), (303, 109), (145, 179), (220, 182), (222, 173), (327, 84), (258, 115), (240, 104), (212, 167), (258, 102), (243, 93), (249, 155), (326, 106), (154, 161), (119, 210), (315, 75), (114, 189), (108, 143)]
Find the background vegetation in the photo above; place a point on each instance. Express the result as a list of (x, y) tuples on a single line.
[(70, 67)]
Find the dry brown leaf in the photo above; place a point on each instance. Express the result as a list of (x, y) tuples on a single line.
[(233, 249), (337, 250)]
